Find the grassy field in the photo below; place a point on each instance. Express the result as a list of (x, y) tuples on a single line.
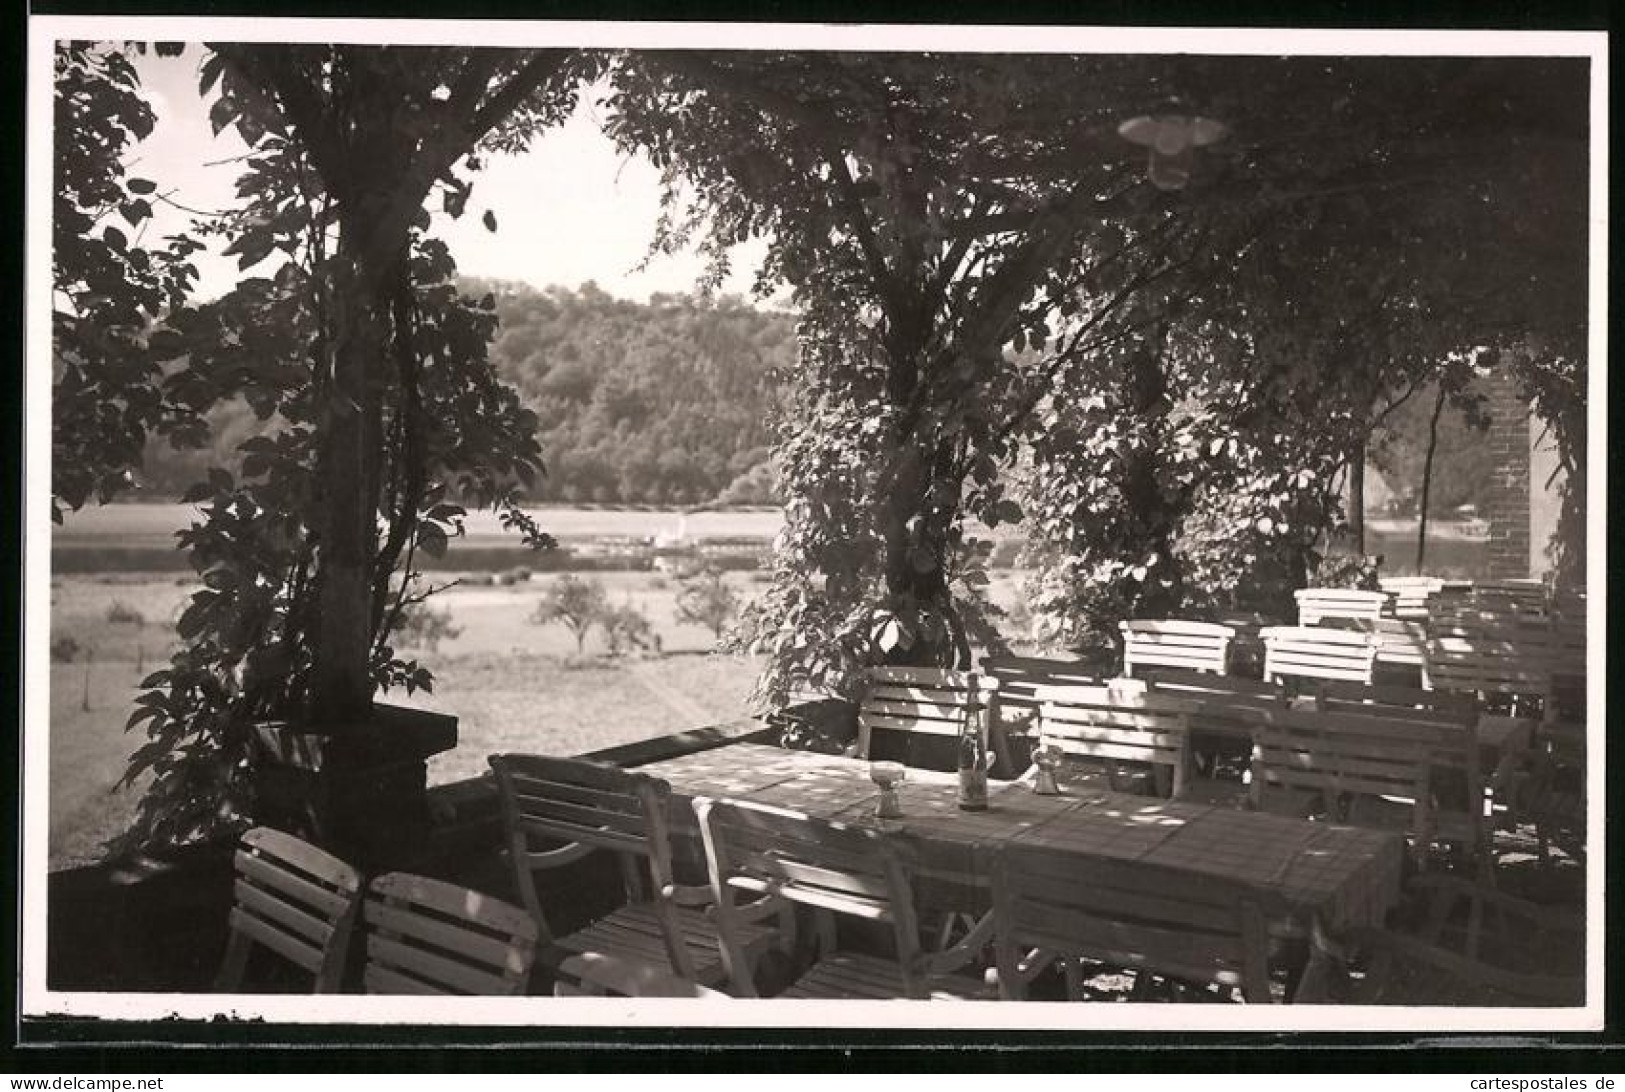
[(514, 685)]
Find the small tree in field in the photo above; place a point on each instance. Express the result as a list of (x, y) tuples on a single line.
[(626, 627), (705, 599), (579, 604)]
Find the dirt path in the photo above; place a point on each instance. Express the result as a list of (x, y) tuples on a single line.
[(684, 708)]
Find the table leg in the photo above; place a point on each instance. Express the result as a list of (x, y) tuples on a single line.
[(1324, 967)]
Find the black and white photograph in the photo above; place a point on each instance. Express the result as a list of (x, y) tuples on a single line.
[(540, 524)]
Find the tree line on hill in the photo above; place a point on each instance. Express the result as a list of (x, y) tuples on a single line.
[(670, 402), (666, 403)]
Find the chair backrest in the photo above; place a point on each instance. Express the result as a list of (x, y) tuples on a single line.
[(1462, 708), (1118, 723), (295, 899), (1347, 755), (426, 936), (1194, 646), (923, 701), (1496, 654), (1318, 652), (1400, 643), (558, 810), (1413, 595), (753, 850), (1224, 704), (1445, 720), (1019, 678), (1317, 603), (1125, 914)]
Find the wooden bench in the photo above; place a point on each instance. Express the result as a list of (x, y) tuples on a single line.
[(1194, 646)]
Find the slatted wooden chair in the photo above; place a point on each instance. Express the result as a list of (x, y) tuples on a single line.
[(1475, 946), (1019, 677), (294, 899), (1463, 798), (754, 851), (1226, 705), (1226, 713), (429, 937), (910, 707), (1124, 916), (1413, 595), (1193, 646), (1120, 726), (1497, 656), (1352, 767), (1317, 604), (557, 811), (1400, 644), (1318, 652)]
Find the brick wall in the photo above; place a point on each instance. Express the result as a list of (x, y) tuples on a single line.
[(1508, 504)]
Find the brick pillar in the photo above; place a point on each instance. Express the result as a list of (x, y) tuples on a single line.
[(1508, 504)]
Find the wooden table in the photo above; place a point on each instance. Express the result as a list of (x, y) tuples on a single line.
[(1308, 875)]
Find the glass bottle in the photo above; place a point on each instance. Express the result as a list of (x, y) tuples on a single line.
[(973, 757)]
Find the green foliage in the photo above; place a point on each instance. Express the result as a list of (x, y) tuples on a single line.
[(577, 603), (379, 414), (108, 292), (661, 403), (1461, 473), (705, 598), (930, 231), (425, 627), (1554, 378), (667, 402), (625, 628)]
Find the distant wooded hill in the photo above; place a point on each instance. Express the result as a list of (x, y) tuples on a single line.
[(665, 403), (670, 403)]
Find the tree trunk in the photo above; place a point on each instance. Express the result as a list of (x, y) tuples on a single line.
[(1427, 481), (1356, 506), (347, 474), (917, 533)]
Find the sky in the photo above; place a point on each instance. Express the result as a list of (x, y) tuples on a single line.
[(569, 210)]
